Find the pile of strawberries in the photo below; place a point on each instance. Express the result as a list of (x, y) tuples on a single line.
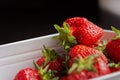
[(85, 56)]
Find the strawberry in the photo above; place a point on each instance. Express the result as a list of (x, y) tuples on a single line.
[(45, 73), (27, 74), (114, 66), (63, 78), (51, 58), (66, 39), (78, 30), (113, 47), (87, 68), (84, 51), (75, 22), (85, 31)]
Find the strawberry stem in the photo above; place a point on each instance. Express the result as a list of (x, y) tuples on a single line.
[(83, 64), (49, 54), (45, 74), (65, 63), (65, 38)]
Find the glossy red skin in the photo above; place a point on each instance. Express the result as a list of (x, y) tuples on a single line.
[(77, 76), (113, 50), (85, 31), (100, 66), (56, 64), (83, 75), (75, 22), (84, 51), (27, 74)]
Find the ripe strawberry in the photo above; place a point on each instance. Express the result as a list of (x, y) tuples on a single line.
[(90, 67), (113, 47), (114, 66), (66, 39), (51, 58), (84, 30), (78, 30), (75, 22), (45, 73), (27, 74), (84, 51), (63, 78)]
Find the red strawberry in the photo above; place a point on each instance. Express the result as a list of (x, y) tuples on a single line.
[(51, 58), (75, 22), (84, 30), (27, 74), (84, 51), (45, 72), (113, 47), (66, 39), (112, 69), (40, 61), (114, 66), (90, 67), (63, 78), (79, 76)]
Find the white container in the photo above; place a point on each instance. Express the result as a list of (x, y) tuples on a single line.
[(18, 55)]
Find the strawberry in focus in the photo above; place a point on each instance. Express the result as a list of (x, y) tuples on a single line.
[(27, 74), (84, 51), (66, 39), (90, 67), (75, 23), (85, 31)]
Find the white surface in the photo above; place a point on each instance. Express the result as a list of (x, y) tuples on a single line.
[(18, 55)]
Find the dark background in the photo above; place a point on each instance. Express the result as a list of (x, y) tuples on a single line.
[(25, 19)]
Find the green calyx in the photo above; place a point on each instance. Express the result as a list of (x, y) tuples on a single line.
[(117, 33), (83, 64), (49, 54), (65, 38), (44, 73), (114, 65), (65, 63), (102, 46)]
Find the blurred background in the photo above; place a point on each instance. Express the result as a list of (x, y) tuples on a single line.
[(25, 19)]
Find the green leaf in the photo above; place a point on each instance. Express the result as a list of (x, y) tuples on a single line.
[(83, 64), (66, 39), (102, 47), (117, 33), (45, 73), (114, 65), (74, 66), (49, 54)]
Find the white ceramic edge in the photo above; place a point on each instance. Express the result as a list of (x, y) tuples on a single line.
[(25, 46)]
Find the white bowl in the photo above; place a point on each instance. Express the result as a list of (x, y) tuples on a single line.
[(18, 55)]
